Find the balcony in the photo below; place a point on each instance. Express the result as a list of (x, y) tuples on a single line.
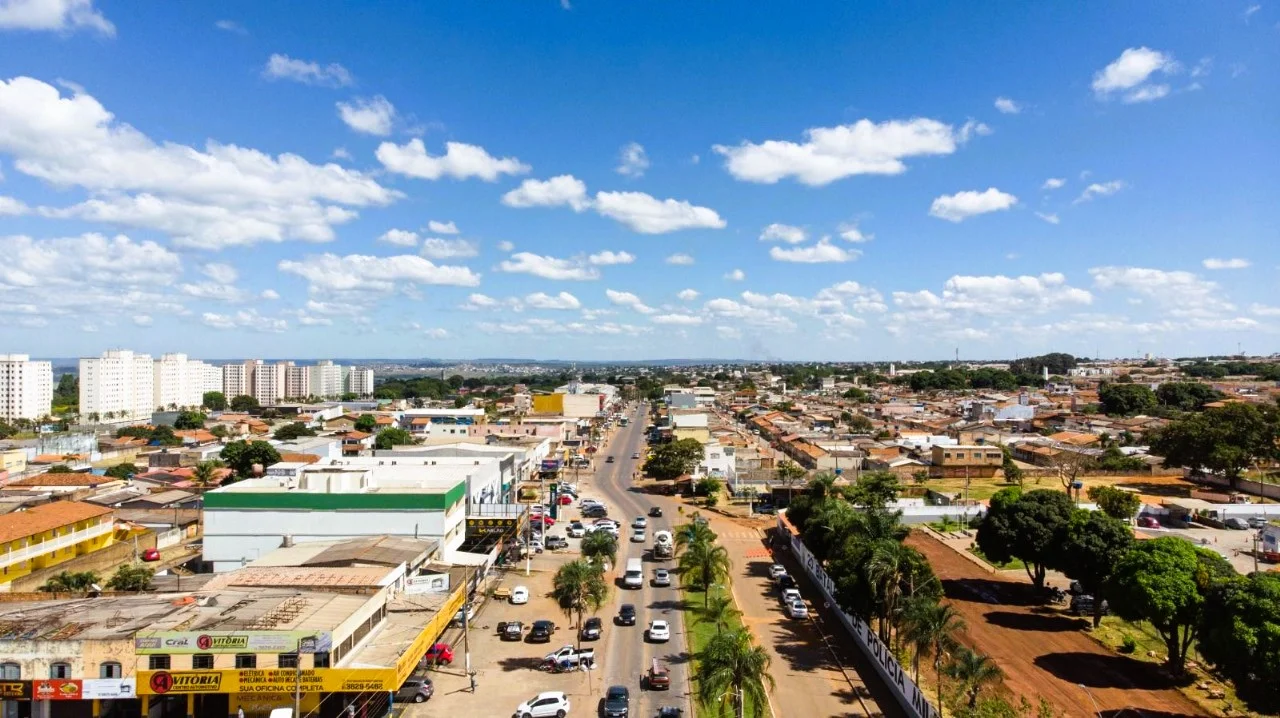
[(57, 543)]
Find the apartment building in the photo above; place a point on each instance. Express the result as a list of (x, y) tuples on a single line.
[(49, 534), (26, 387), (117, 385), (358, 380), (237, 379), (269, 382), (326, 379), (297, 381), (180, 381)]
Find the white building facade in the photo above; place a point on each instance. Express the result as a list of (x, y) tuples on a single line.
[(181, 381), (26, 387), (326, 380), (269, 382), (117, 385), (358, 380), (237, 379), (297, 381)]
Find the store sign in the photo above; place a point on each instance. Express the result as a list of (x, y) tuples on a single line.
[(233, 642), (56, 689), (269, 681), (15, 690), (491, 527), (550, 464), (165, 682), (529, 493), (108, 688)]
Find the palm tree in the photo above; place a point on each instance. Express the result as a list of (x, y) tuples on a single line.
[(731, 666), (70, 582), (708, 564), (693, 532), (577, 586), (721, 611), (600, 544), (205, 473), (973, 670), (886, 569), (933, 627)]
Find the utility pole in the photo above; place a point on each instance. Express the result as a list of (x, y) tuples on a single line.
[(466, 625)]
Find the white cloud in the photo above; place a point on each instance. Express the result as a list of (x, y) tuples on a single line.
[(688, 295), (728, 332), (736, 275), (850, 232), (680, 260), (1263, 310), (1234, 263), (356, 277), (992, 295), (220, 196), (1182, 295), (1008, 106), (1249, 11), (505, 246), (832, 153), (686, 320), (220, 272), (437, 248), (245, 319), (283, 67), (341, 153), (632, 160), (822, 252), (1130, 74), (231, 26), (442, 227), (971, 128), (563, 300), (627, 299), (372, 116), (10, 206), (269, 294), (143, 320), (1100, 189), (963, 205), (477, 302), (550, 326), (1049, 217), (608, 257), (1053, 183), (562, 190), (54, 15), (549, 267), (435, 333), (648, 215), (460, 161), (783, 233), (215, 291), (400, 237)]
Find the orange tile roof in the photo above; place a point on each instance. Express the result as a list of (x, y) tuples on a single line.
[(197, 435), (37, 519), (383, 420), (355, 436), (299, 458), (58, 458), (64, 480)]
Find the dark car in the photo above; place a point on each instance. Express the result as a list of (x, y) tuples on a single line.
[(1148, 522), (1236, 523), (592, 629), (766, 509), (1082, 605), (555, 542), (656, 512), (609, 460), (415, 690), (627, 615), (617, 702), (541, 632), (785, 581), (511, 630), (594, 512)]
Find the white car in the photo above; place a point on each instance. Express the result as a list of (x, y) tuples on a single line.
[(575, 530), (638, 536), (519, 595), (584, 503), (535, 546), (552, 704), (662, 577), (659, 631), (777, 571), (797, 609), (789, 596), (640, 522), (537, 510)]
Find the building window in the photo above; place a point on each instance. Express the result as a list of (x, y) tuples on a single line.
[(246, 660), (10, 671), (287, 660), (110, 669), (158, 663), (320, 660), (202, 661), (946, 454), (959, 454), (59, 670)]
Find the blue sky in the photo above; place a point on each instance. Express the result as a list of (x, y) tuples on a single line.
[(458, 179)]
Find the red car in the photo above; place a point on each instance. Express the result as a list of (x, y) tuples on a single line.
[(544, 520), (151, 554), (565, 499), (1148, 522), (439, 653)]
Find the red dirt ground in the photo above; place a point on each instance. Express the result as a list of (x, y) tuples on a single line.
[(1043, 652)]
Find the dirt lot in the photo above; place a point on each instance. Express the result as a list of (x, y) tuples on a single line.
[(1042, 652)]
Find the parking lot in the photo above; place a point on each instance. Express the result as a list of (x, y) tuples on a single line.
[(1234, 545)]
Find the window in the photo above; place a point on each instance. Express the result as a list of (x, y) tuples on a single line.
[(946, 454), (110, 669), (158, 663), (959, 454), (10, 671), (59, 670), (287, 660), (320, 660), (246, 660), (202, 661)]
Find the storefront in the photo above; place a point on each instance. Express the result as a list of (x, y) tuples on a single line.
[(70, 698)]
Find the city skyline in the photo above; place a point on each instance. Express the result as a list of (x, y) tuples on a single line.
[(571, 182)]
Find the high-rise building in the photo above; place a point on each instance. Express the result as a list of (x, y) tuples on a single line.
[(180, 381), (358, 380), (269, 382), (237, 379), (326, 379), (26, 387), (117, 385), (297, 381)]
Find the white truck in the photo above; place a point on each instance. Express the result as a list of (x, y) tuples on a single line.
[(663, 548), (634, 575), (567, 658)]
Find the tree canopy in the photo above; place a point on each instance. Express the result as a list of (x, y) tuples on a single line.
[(124, 470), (1127, 399), (1114, 502), (214, 401), (241, 456), (293, 430), (1240, 634), (188, 420), (131, 578), (1058, 363), (1186, 395), (1228, 439), (366, 423), (388, 438), (1090, 546), (1026, 527), (674, 459), (244, 402)]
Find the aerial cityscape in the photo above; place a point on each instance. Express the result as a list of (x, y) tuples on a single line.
[(570, 358)]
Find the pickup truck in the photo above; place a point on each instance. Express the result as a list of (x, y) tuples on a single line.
[(570, 656)]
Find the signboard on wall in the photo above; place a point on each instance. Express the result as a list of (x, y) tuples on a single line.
[(55, 689), (15, 690), (529, 493), (171, 642), (491, 526), (108, 688), (274, 680)]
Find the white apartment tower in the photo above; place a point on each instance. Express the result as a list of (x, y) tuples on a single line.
[(117, 385), (180, 381), (358, 381), (237, 379), (26, 387), (297, 381), (269, 382), (326, 379)]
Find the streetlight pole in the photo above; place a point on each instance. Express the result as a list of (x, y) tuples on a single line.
[(1096, 709)]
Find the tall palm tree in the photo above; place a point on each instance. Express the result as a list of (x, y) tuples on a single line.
[(721, 611), (600, 544), (577, 586), (708, 564), (693, 532), (973, 670), (731, 666), (205, 473), (934, 627)]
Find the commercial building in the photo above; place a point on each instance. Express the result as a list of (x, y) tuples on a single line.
[(578, 406), (180, 381), (966, 461), (427, 423), (49, 534), (26, 387), (117, 385)]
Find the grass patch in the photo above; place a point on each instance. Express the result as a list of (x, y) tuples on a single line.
[(699, 633), (1015, 564)]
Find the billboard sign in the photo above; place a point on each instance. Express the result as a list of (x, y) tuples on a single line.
[(15, 690), (108, 688), (56, 689), (549, 465), (268, 681), (491, 526), (171, 642)]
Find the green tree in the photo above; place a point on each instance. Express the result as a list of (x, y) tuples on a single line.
[(67, 393), (1240, 634), (163, 435), (673, 460), (1027, 528), (1227, 440), (1113, 459), (721, 612), (1126, 399), (855, 395), (189, 420), (707, 486), (70, 582), (131, 578), (388, 438), (579, 586), (1092, 544), (696, 531), (214, 401), (875, 489), (244, 403), (1186, 395), (124, 470), (731, 666), (600, 544), (860, 424), (789, 473), (1114, 502), (219, 431), (1013, 473), (61, 469), (366, 423), (289, 432), (933, 627), (707, 564), (205, 473), (241, 456), (972, 671), (1164, 582)]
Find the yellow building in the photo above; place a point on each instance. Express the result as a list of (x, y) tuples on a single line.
[(49, 534), (13, 461)]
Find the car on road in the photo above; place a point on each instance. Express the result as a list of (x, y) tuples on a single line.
[(556, 542), (1148, 522), (617, 702), (467, 612), (635, 455), (575, 530), (551, 704), (1257, 522), (655, 511), (415, 690), (510, 630), (766, 509), (662, 577), (519, 595), (627, 614), (564, 499), (640, 522), (594, 511), (639, 536), (609, 460), (151, 554), (439, 653), (584, 503), (659, 631), (544, 519), (535, 546), (1236, 523), (658, 678), (789, 595), (1177, 522), (1082, 605), (786, 581), (537, 509), (605, 522), (777, 570), (592, 629), (541, 631), (797, 609)]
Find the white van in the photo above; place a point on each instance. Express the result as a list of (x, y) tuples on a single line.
[(634, 575)]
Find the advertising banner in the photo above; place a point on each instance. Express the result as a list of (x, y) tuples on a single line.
[(108, 688), (490, 527), (56, 689), (15, 690), (273, 680), (232, 642)]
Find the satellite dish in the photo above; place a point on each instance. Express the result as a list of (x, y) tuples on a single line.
[(95, 587)]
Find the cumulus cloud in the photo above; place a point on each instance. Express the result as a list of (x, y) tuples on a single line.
[(1053, 183), (1100, 189), (442, 227), (963, 205), (54, 15), (783, 233), (269, 294), (607, 257), (231, 26), (505, 246), (627, 299), (358, 277), (248, 319), (831, 153), (220, 272), (550, 326), (438, 248), (1181, 294), (632, 161), (1008, 106), (559, 191), (563, 300), (822, 252), (1233, 263), (850, 232), (1049, 217), (678, 259), (283, 67), (686, 320), (460, 161), (12, 207), (648, 215), (1130, 76), (735, 275), (548, 267), (688, 295), (372, 116), (400, 237)]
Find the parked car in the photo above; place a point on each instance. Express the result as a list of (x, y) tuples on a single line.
[(570, 657), (605, 522), (609, 460), (555, 542), (468, 612), (766, 509), (617, 702), (439, 653), (1148, 522), (1177, 522), (535, 546), (789, 595), (575, 530), (655, 511), (1257, 522), (797, 609), (594, 511), (415, 690), (151, 554), (1082, 605), (627, 614), (786, 581), (510, 630), (640, 522), (519, 595), (565, 499), (662, 577), (552, 704), (544, 520), (639, 536), (1238, 524), (592, 629), (541, 632), (659, 631), (777, 570)]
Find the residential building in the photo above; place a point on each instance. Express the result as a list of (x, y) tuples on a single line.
[(237, 379), (690, 426), (49, 534), (117, 385), (26, 387), (297, 381), (578, 406), (326, 380), (443, 422), (269, 382), (358, 380), (180, 381), (971, 461)]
